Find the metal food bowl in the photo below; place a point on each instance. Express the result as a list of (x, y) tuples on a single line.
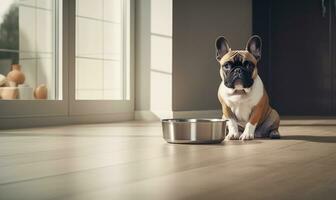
[(194, 131)]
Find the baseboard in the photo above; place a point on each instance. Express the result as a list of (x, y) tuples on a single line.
[(27, 122), (285, 120), (304, 121), (146, 115), (198, 114)]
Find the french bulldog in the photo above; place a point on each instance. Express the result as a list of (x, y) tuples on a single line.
[(244, 100)]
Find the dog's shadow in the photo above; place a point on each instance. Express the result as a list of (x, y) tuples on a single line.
[(310, 138)]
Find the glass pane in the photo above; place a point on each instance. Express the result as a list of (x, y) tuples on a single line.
[(101, 49), (28, 56)]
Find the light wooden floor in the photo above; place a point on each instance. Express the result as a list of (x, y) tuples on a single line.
[(131, 161)]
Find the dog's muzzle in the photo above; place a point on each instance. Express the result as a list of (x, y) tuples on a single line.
[(239, 75)]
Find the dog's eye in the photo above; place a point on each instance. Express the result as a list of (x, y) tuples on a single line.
[(227, 66), (248, 65)]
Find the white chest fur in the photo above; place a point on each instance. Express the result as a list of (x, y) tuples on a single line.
[(242, 105)]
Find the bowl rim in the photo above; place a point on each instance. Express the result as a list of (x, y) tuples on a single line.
[(192, 120)]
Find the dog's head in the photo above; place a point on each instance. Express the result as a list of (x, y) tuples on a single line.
[(238, 67)]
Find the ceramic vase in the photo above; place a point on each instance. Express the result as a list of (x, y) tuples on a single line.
[(41, 92), (9, 93), (15, 76), (25, 92), (3, 80)]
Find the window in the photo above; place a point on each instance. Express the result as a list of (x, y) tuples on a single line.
[(80, 54), (29, 40), (102, 49)]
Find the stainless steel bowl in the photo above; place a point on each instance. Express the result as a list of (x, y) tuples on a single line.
[(194, 131)]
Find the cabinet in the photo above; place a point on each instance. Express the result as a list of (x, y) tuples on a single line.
[(298, 63)]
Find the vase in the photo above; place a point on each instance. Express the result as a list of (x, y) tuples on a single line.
[(41, 92), (9, 93), (25, 92), (3, 80), (15, 76)]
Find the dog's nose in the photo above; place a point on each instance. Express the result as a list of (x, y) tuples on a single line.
[(238, 70)]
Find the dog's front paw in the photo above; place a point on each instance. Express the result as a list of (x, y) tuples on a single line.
[(246, 136), (248, 133), (232, 135), (233, 130)]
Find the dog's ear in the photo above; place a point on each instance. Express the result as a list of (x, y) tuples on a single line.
[(254, 46), (222, 47)]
